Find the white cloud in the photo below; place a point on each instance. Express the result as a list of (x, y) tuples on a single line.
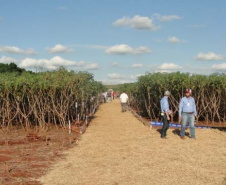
[(114, 64), (174, 40), (51, 64), (92, 66), (119, 49), (93, 46), (137, 22), (137, 65), (125, 49), (219, 67), (59, 49), (209, 56), (142, 50), (115, 81), (116, 78), (169, 66), (166, 67), (1, 18), (165, 18), (16, 50), (5, 59), (122, 76), (162, 71)]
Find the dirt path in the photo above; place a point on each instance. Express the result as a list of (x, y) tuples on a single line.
[(118, 149)]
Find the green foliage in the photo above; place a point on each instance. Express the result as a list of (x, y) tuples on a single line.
[(9, 68), (46, 97), (209, 93)]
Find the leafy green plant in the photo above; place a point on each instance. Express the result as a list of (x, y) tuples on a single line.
[(37, 99), (209, 93)]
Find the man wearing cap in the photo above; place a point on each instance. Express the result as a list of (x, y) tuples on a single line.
[(165, 113), (187, 113)]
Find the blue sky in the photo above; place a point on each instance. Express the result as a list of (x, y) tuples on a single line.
[(116, 40)]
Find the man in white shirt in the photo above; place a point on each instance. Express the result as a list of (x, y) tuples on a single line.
[(105, 96), (124, 99)]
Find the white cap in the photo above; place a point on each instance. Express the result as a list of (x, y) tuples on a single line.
[(167, 93)]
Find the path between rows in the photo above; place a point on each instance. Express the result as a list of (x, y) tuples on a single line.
[(118, 149)]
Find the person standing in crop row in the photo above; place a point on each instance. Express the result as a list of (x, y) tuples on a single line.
[(187, 114), (165, 113)]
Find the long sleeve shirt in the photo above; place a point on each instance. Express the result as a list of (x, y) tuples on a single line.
[(165, 105), (187, 105)]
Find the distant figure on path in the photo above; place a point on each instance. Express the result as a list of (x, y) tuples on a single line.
[(109, 96), (105, 96), (187, 113), (124, 99), (165, 113), (113, 95)]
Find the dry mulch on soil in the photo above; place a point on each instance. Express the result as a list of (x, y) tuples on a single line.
[(118, 149)]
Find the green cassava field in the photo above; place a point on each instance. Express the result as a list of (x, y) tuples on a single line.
[(29, 99), (36, 99), (209, 93)]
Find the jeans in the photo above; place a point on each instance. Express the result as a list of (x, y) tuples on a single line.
[(123, 105), (188, 118), (165, 125)]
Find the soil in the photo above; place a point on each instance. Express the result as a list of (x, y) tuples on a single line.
[(25, 157)]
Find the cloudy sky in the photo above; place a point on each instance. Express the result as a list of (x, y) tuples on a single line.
[(116, 40)]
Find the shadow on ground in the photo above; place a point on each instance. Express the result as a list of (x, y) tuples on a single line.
[(177, 132)]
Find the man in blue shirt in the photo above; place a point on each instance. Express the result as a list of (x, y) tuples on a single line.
[(165, 113), (187, 113)]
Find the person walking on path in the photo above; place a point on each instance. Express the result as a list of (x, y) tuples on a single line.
[(124, 99), (187, 113), (105, 96), (165, 113)]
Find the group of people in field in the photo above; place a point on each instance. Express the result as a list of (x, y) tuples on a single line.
[(187, 114), (187, 110), (110, 95)]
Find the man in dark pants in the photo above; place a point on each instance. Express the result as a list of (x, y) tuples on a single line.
[(165, 113)]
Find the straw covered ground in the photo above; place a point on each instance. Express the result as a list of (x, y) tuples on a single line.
[(118, 149)]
